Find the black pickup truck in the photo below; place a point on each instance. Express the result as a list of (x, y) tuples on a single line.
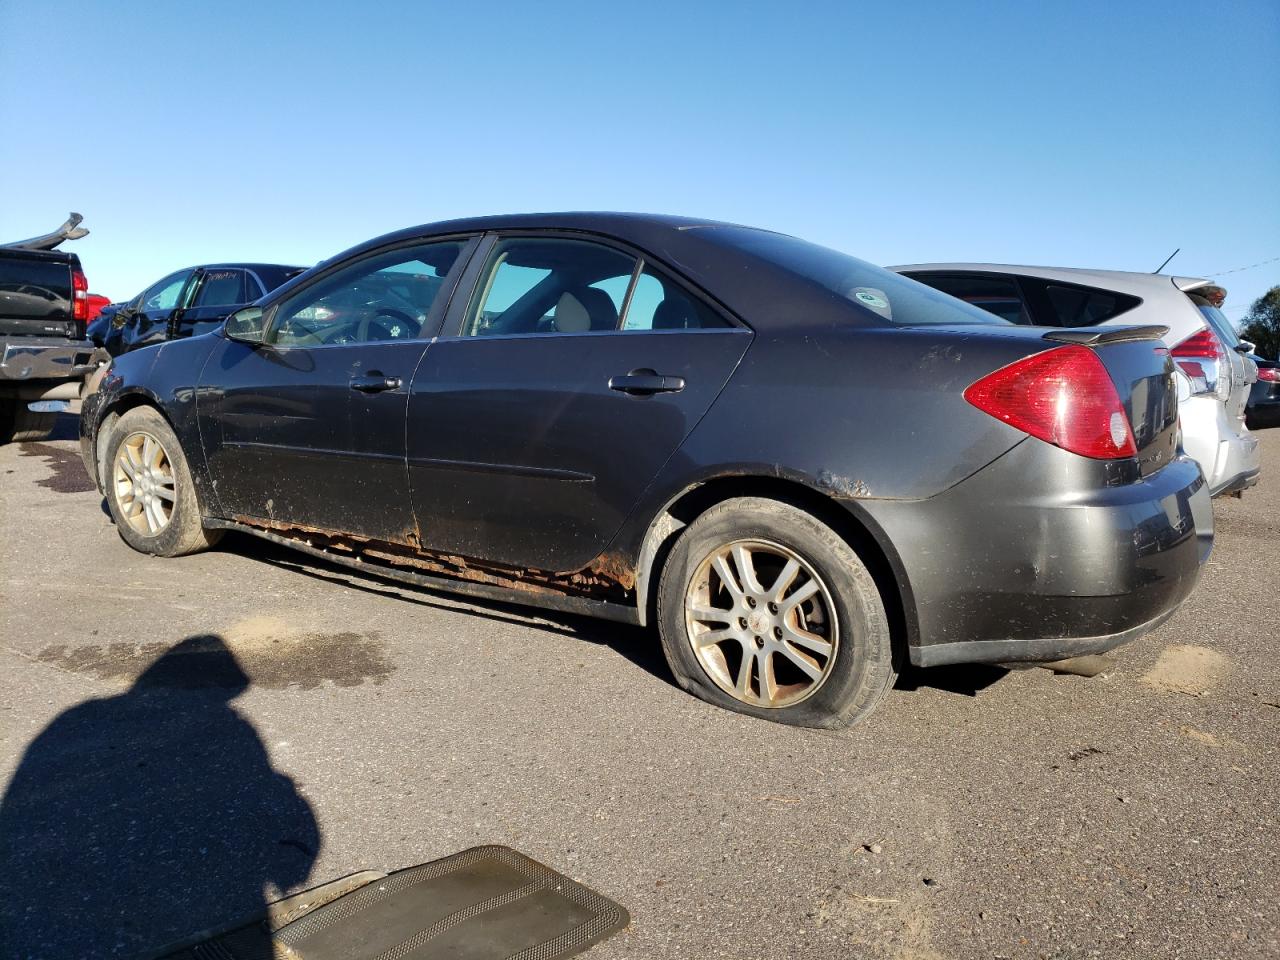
[(44, 354)]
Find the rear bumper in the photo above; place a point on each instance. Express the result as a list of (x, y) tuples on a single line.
[(1226, 451), (1022, 561), (45, 358)]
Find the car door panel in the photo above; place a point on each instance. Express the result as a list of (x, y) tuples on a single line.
[(290, 441), (519, 451), (308, 429)]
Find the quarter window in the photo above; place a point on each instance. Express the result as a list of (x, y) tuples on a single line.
[(384, 297)]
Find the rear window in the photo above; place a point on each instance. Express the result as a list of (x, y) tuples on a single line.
[(887, 295), (1075, 306), (31, 287), (998, 295)]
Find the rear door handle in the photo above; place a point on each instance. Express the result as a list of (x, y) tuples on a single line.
[(646, 382), (374, 383)]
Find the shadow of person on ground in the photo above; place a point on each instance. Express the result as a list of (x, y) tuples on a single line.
[(138, 819)]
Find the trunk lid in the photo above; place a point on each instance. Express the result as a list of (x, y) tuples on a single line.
[(1142, 371)]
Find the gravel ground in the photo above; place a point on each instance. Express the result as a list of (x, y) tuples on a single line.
[(979, 813)]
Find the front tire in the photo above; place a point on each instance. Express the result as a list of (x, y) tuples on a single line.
[(765, 610), (149, 488)]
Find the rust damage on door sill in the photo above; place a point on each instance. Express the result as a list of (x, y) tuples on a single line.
[(608, 578)]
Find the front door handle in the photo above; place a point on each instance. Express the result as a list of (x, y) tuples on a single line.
[(646, 382), (374, 383)]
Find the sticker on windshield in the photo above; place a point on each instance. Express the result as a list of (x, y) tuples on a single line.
[(872, 298)]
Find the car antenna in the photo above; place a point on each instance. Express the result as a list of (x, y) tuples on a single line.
[(1166, 263)]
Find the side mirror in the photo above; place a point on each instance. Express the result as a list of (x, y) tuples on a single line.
[(247, 325)]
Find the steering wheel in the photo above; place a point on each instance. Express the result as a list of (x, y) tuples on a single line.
[(386, 320)]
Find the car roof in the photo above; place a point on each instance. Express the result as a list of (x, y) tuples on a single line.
[(1122, 281), (246, 266), (635, 227)]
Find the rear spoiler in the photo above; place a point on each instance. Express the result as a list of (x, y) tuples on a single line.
[(1095, 336)]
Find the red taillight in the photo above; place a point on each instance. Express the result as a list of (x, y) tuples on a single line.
[(1063, 396), (1192, 356), (79, 295), (1269, 374), (1200, 346)]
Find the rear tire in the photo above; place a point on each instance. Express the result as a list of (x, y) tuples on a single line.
[(20, 425), (806, 622), (149, 488)]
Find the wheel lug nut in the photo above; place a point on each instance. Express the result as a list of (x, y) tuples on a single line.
[(742, 622), (773, 607), (759, 642), (751, 602), (777, 633)]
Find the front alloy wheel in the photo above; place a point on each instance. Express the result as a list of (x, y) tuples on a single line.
[(145, 485), (761, 623)]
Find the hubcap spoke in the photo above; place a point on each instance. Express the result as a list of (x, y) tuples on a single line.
[(806, 664), (802, 594), (725, 572), (806, 640), (768, 682), (742, 559), (743, 686), (711, 614), (713, 637), (785, 578)]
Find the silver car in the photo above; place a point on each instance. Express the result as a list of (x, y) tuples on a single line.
[(1215, 373)]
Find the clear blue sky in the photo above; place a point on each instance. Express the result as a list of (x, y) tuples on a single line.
[(1076, 134)]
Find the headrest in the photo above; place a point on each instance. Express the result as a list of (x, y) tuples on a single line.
[(585, 309), (570, 315), (674, 313)]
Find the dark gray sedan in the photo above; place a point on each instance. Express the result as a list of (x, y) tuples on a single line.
[(803, 469)]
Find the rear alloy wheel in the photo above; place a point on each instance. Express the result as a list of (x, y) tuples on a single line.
[(149, 488), (765, 610)]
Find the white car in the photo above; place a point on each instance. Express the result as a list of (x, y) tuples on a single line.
[(1215, 373)]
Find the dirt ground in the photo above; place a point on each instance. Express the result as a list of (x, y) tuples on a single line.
[(197, 735)]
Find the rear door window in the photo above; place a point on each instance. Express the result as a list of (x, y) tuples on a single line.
[(549, 285), (995, 294), (222, 288)]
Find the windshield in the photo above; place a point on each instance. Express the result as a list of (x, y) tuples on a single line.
[(888, 295)]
